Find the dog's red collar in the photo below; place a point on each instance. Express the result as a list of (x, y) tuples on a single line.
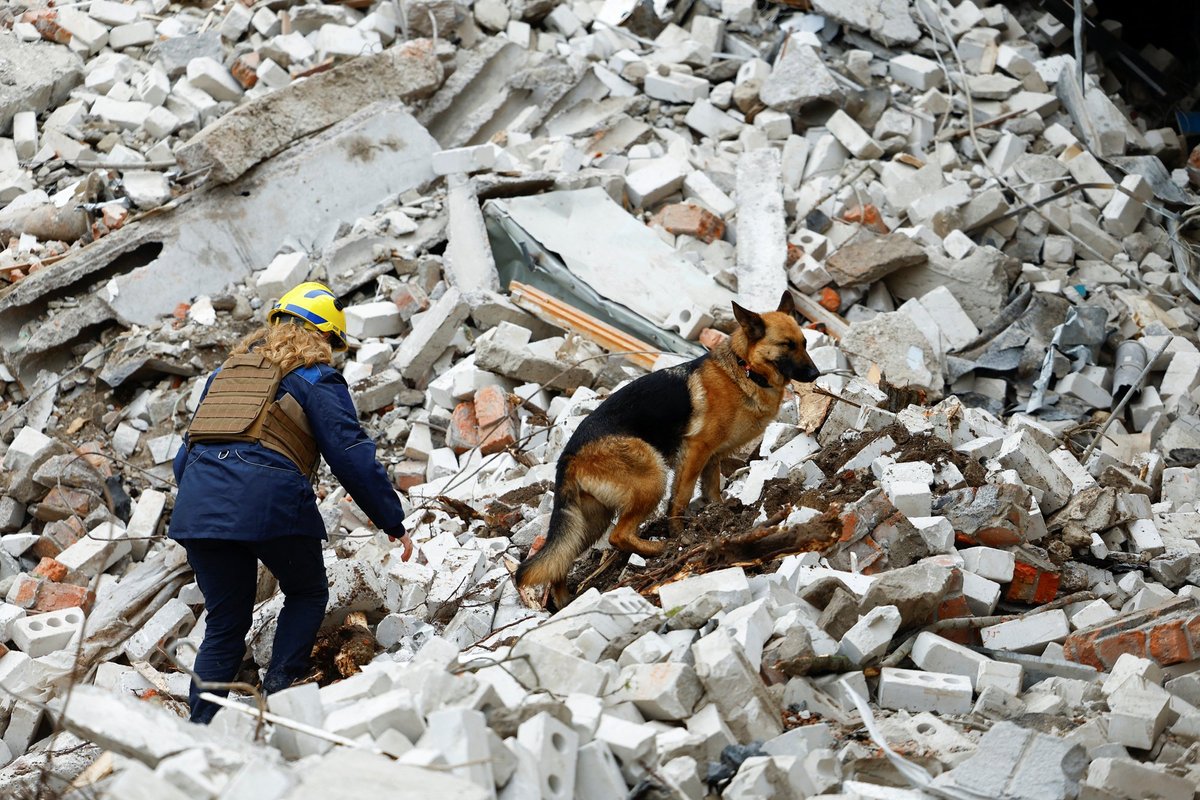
[(757, 377)]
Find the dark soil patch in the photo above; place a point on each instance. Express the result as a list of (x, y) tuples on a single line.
[(909, 447)]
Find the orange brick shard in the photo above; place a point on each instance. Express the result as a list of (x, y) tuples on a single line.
[(1169, 634), (51, 570), (1032, 585), (1169, 643), (497, 423), (38, 595), (690, 220), (463, 433), (408, 474), (711, 337), (245, 70)]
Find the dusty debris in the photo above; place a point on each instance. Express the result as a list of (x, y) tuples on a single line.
[(963, 561)]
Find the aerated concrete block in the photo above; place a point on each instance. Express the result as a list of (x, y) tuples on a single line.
[(916, 690)]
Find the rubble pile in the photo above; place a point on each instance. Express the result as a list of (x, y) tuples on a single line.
[(963, 563)]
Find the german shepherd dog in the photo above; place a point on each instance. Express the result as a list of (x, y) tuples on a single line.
[(685, 419)]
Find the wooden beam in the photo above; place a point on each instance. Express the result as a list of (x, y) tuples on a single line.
[(550, 309), (815, 312)]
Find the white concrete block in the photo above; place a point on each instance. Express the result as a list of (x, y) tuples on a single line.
[(25, 134), (852, 136), (1000, 675), (870, 636), (555, 747), (173, 621), (1123, 213), (675, 87), (128, 115), (211, 77), (376, 319), (1027, 635), (42, 634), (105, 545), (910, 498), (915, 71), (285, 271), (655, 181), (933, 653), (465, 159), (728, 586), (915, 690), (989, 562), (1093, 613)]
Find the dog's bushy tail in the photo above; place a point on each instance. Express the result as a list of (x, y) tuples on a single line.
[(567, 537)]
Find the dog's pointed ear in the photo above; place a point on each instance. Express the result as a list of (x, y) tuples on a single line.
[(787, 303), (751, 323)]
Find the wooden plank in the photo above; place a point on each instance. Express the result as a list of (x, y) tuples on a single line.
[(564, 315), (815, 312)]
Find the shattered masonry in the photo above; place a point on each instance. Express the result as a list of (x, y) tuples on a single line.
[(972, 545)]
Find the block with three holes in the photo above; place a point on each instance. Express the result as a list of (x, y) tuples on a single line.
[(915, 690), (41, 634)]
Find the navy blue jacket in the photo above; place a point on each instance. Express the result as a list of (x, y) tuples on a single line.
[(244, 491)]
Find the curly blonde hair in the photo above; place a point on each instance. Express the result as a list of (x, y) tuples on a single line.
[(288, 346)]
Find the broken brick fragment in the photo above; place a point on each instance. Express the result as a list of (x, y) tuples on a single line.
[(51, 570), (38, 595), (497, 423), (245, 69), (61, 503), (407, 474), (691, 220), (1167, 634), (463, 432), (711, 337), (868, 215)]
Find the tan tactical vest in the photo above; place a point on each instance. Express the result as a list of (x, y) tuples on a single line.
[(240, 407)]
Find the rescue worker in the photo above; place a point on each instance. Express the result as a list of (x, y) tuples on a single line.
[(266, 417)]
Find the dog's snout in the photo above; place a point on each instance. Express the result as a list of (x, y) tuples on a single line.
[(808, 373)]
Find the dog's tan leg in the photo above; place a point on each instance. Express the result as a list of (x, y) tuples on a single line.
[(710, 479), (695, 456), (628, 476)]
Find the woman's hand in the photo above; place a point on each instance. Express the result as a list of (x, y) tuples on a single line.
[(406, 543)]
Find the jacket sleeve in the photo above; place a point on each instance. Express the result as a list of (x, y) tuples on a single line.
[(350, 453), (181, 456)]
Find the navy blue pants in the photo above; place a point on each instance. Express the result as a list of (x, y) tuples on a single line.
[(227, 574)]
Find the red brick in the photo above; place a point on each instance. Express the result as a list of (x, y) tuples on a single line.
[(410, 299), (61, 503), (1169, 643), (494, 414), (408, 474), (23, 592), (245, 69), (1032, 585), (93, 452), (711, 337), (57, 536), (1082, 650), (34, 594), (1110, 648), (51, 570), (463, 432), (690, 220), (794, 253), (47, 25), (868, 215)]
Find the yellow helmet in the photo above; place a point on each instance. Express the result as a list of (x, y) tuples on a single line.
[(315, 304)]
